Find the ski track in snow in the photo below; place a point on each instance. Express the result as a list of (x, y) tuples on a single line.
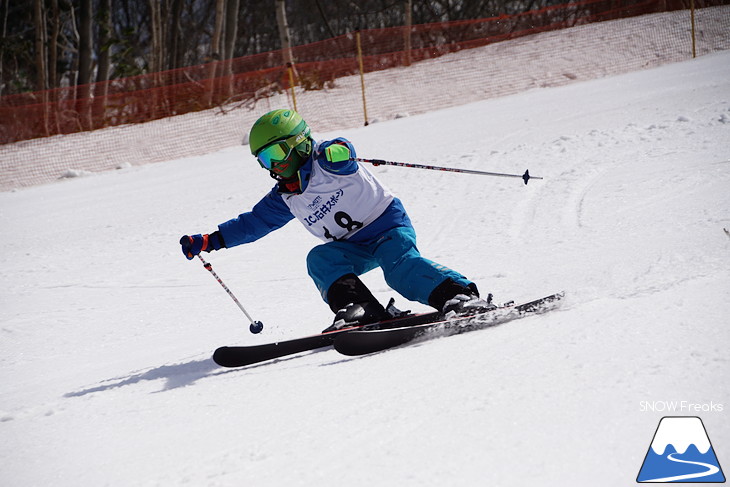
[(107, 330)]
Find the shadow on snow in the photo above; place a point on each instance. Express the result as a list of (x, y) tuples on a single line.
[(177, 375)]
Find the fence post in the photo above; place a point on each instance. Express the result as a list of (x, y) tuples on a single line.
[(362, 76), (692, 18)]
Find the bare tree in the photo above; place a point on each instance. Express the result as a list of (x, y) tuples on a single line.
[(284, 37), (174, 47), (231, 29), (155, 57), (46, 43), (407, 31), (229, 43), (40, 44), (106, 27), (83, 94), (215, 42), (55, 21), (4, 32), (215, 47), (86, 15)]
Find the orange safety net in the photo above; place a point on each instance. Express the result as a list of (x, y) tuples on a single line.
[(331, 65), (157, 95)]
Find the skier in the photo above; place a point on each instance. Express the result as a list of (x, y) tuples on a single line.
[(342, 203)]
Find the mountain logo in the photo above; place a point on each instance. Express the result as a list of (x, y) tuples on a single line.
[(681, 452)]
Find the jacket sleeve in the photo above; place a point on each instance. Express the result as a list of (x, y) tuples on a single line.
[(266, 216), (343, 167)]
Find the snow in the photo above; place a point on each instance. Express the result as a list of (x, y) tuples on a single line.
[(107, 331)]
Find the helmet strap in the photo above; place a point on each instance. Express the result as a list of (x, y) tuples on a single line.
[(288, 185)]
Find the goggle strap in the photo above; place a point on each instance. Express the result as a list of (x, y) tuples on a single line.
[(290, 144)]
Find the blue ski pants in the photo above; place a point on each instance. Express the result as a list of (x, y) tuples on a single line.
[(395, 252)]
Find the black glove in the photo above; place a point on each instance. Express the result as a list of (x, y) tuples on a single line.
[(195, 244)]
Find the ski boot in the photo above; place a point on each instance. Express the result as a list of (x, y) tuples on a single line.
[(463, 304), (357, 314), (454, 299), (353, 304)]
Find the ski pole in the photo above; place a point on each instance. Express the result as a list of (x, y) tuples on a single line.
[(377, 162), (256, 326)]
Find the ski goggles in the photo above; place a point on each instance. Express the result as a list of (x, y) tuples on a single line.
[(279, 151)]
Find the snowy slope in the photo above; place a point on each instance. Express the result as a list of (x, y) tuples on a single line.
[(105, 376)]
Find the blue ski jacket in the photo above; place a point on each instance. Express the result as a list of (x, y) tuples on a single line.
[(271, 213)]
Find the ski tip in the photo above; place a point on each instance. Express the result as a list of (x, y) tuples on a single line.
[(227, 357), (220, 355)]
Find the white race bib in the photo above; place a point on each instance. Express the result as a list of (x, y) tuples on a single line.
[(335, 207)]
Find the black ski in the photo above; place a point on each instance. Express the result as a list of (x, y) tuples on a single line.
[(368, 340), (239, 356), (252, 354)]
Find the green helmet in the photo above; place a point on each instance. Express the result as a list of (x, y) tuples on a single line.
[(281, 142)]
